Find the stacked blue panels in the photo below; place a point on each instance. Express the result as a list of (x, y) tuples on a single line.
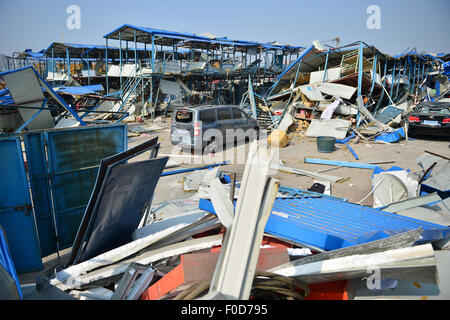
[(330, 224), (324, 223)]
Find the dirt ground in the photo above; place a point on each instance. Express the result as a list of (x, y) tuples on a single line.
[(356, 185), (357, 182)]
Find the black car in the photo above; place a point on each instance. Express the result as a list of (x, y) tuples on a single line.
[(430, 118)]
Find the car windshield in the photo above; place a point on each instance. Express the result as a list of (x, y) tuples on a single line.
[(184, 116), (427, 110)]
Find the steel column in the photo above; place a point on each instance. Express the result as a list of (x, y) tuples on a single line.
[(68, 61), (374, 72), (106, 63), (360, 66), (326, 64), (393, 77), (120, 58)]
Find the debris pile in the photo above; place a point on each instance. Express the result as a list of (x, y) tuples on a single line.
[(354, 91), (250, 239), (71, 182)]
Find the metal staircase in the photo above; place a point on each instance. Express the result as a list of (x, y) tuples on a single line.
[(129, 92)]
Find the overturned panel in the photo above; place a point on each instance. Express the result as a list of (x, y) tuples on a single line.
[(126, 194), (102, 175), (325, 75), (337, 90), (73, 156), (170, 87), (337, 128), (312, 92), (26, 91), (389, 114), (401, 240)]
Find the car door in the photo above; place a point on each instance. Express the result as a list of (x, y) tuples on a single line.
[(224, 121), (208, 119), (240, 123)]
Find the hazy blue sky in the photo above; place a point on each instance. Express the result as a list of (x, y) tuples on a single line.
[(404, 23)]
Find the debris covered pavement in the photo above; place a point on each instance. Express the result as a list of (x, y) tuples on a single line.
[(333, 201)]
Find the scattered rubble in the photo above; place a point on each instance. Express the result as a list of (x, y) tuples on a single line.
[(229, 238)]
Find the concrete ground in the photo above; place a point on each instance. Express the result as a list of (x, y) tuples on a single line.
[(356, 185)]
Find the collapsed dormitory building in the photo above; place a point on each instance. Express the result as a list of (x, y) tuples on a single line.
[(64, 114), (154, 70)]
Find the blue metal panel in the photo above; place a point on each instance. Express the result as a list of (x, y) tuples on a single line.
[(341, 163), (16, 215), (331, 224), (328, 224), (360, 68), (37, 171), (73, 158), (388, 114), (61, 188)]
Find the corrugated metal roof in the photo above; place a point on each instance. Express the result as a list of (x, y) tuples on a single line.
[(183, 36), (326, 224)]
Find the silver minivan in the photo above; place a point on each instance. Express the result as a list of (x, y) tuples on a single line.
[(209, 127)]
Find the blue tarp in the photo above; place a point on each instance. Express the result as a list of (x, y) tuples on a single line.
[(391, 136), (393, 168), (92, 89), (36, 55), (446, 67)]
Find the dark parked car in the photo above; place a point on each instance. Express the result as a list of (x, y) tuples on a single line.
[(205, 126), (430, 118)]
